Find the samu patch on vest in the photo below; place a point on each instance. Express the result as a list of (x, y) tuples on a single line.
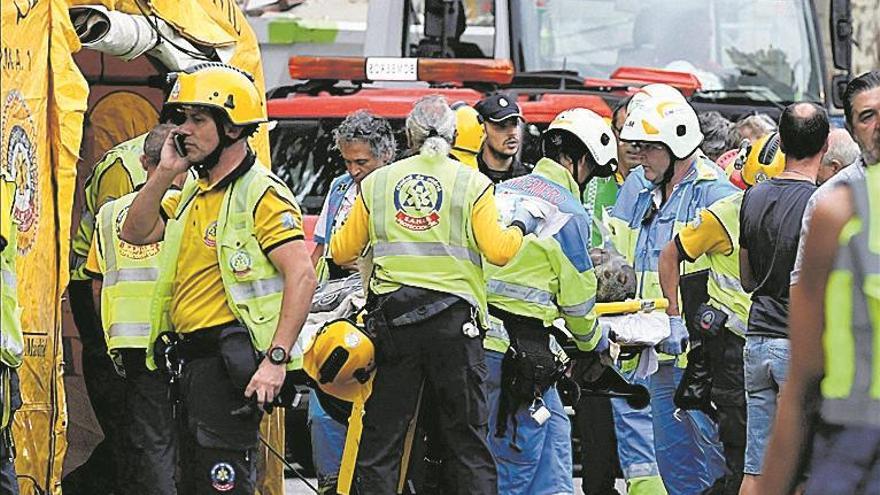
[(418, 199), (222, 477), (241, 263)]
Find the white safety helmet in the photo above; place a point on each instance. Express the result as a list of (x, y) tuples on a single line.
[(593, 131), (656, 90), (666, 121)]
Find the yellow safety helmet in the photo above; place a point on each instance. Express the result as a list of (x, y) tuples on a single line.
[(469, 134), (764, 161), (220, 86), (340, 358)]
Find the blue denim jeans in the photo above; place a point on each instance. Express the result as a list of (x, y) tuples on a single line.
[(766, 367), (541, 463)]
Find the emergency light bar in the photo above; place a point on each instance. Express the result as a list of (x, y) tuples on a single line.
[(685, 82), (361, 69)]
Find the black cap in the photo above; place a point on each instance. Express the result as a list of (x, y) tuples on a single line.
[(498, 107)]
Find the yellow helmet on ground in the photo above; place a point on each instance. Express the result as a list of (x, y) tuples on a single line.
[(765, 160), (469, 134), (340, 359), (220, 86)]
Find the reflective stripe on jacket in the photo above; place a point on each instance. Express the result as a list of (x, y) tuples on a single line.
[(851, 386), (420, 228)]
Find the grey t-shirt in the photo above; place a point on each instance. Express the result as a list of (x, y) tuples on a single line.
[(854, 171)]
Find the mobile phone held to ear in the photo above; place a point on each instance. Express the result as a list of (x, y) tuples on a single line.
[(178, 144)]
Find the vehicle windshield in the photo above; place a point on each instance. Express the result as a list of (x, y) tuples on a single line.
[(763, 45)]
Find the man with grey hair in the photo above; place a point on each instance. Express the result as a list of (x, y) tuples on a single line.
[(717, 130), (430, 127), (366, 142), (753, 127), (431, 221), (842, 151)]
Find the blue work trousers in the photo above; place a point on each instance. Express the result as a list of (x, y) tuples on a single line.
[(681, 446), (689, 452), (540, 464)]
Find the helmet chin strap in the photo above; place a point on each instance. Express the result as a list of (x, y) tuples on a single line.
[(667, 176), (583, 185), (210, 161)]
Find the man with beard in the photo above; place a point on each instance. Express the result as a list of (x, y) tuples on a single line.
[(503, 119)]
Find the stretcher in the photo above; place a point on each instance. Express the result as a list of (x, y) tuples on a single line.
[(597, 376)]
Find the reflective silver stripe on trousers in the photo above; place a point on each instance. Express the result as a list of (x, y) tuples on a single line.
[(858, 259), (382, 249), (520, 292), (129, 330), (140, 274), (579, 309), (242, 291), (9, 279), (641, 470)]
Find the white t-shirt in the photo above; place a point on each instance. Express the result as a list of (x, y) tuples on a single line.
[(341, 214), (852, 172)]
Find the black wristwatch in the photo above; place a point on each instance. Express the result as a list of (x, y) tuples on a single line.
[(278, 355)]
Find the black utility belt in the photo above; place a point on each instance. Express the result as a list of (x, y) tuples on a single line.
[(203, 343), (513, 321), (526, 327)]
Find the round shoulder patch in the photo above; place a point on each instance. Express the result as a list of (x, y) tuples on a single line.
[(222, 477)]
